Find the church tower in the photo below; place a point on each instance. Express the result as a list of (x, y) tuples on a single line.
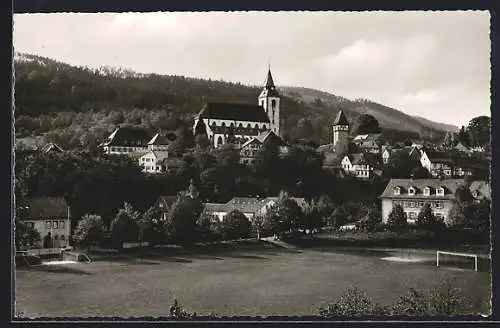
[(270, 100), (341, 132)]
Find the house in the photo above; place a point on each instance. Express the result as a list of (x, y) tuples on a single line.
[(50, 216), (250, 149), (361, 165), (369, 142), (450, 164), (153, 161), (163, 205), (239, 123), (413, 194), (126, 140), (159, 142), (462, 148), (386, 154), (52, 148), (249, 206)]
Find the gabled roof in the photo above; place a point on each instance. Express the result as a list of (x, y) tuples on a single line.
[(165, 202), (450, 186), (270, 136), (123, 136), (299, 200), (159, 139), (340, 119), (364, 159), (52, 147), (44, 208), (234, 112), (251, 141)]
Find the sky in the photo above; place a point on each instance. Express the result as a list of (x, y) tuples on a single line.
[(431, 64)]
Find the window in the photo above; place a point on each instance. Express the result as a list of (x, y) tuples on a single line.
[(420, 204), (427, 191), (61, 224), (412, 215), (411, 191), (30, 224), (273, 103), (62, 237), (412, 204), (48, 224), (397, 191), (440, 191), (55, 224), (439, 215), (405, 204), (264, 127)]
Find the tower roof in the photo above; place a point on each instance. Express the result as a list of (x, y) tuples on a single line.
[(269, 87), (341, 119)]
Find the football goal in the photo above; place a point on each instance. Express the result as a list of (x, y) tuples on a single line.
[(457, 260)]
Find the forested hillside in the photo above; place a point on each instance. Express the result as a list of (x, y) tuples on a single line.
[(79, 106)]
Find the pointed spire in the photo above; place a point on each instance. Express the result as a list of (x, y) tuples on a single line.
[(269, 80), (341, 119)]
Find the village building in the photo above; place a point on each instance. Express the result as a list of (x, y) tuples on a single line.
[(250, 149), (334, 151), (50, 216), (52, 148), (361, 165), (129, 140), (239, 123), (371, 143), (413, 194), (153, 161), (251, 207)]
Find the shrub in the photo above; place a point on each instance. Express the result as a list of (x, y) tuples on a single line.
[(235, 225), (414, 303), (353, 303), (179, 313), (447, 300)]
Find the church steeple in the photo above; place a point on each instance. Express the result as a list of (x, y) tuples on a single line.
[(269, 99)]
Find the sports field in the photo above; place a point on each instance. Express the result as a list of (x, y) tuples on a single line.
[(248, 280)]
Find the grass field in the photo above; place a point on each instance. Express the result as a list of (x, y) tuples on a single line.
[(249, 280)]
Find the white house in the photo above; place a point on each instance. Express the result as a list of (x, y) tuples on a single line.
[(50, 216), (361, 165), (153, 161)]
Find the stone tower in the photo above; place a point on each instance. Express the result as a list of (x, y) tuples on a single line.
[(270, 100), (341, 132)]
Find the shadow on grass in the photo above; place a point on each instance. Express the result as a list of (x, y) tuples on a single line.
[(245, 256), (56, 269)]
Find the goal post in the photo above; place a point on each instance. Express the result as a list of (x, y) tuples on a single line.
[(439, 257)]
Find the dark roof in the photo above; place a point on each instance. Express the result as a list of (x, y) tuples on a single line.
[(340, 119), (269, 80), (234, 112), (122, 136), (270, 136), (364, 159), (449, 185), (269, 87), (44, 208), (159, 139)]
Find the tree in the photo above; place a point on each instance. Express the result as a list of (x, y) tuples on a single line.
[(202, 141), (371, 220), (400, 165), (151, 226), (180, 225), (427, 220), (285, 216), (25, 236), (449, 139), (366, 124), (463, 136), (479, 131), (124, 228), (90, 229), (338, 217), (235, 225), (397, 220)]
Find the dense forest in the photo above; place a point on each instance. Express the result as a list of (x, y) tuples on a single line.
[(78, 106)]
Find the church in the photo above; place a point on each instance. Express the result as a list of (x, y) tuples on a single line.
[(240, 123)]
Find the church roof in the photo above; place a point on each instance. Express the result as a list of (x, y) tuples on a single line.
[(269, 87), (128, 136), (341, 119), (234, 112)]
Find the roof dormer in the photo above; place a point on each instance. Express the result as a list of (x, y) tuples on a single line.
[(411, 191), (397, 190), (427, 191), (440, 191)]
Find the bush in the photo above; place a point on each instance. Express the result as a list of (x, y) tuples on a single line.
[(179, 313), (353, 303), (235, 225)]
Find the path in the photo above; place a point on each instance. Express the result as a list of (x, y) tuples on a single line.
[(279, 243)]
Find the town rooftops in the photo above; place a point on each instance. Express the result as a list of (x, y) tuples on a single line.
[(403, 185), (43, 208), (340, 119), (364, 159), (128, 136), (234, 112)]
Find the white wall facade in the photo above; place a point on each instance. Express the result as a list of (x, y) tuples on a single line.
[(150, 164), (59, 229), (272, 108)]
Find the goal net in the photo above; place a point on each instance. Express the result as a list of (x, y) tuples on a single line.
[(457, 260)]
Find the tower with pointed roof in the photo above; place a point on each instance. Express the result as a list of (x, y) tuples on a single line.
[(341, 131), (269, 99)]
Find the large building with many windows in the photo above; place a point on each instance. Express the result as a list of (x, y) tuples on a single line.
[(413, 194)]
